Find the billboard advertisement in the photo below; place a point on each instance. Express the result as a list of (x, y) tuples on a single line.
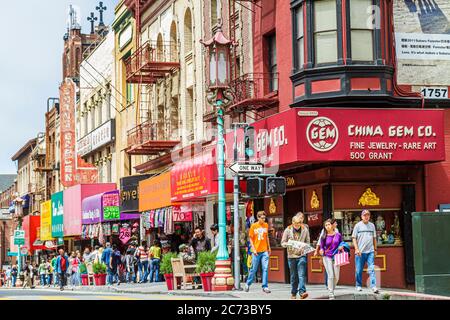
[(58, 214), (46, 221), (422, 36)]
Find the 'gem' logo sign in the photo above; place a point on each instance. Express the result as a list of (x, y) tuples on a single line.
[(322, 134)]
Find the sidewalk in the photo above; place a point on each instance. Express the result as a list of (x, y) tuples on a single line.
[(279, 292)]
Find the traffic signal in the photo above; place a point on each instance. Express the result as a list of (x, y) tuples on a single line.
[(249, 140), (255, 187), (276, 186)]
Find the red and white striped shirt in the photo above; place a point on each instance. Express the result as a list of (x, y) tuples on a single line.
[(142, 253)]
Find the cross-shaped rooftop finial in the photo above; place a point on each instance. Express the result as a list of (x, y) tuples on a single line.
[(92, 20), (100, 8)]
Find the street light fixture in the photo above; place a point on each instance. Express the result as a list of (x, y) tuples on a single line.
[(219, 95)]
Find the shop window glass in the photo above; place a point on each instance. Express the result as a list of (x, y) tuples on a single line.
[(361, 30), (325, 31), (272, 62), (276, 229)]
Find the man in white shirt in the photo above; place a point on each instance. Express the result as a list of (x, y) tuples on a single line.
[(365, 242)]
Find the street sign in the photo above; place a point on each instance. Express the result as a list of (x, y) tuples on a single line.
[(19, 237), (24, 251), (247, 168)]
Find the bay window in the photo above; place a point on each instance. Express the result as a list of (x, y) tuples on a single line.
[(361, 27), (325, 31), (300, 45)]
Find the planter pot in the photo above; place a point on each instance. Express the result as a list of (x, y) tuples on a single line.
[(84, 280), (169, 281), (100, 279), (207, 280)]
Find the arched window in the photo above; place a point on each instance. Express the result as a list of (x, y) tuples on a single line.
[(160, 48), (173, 42), (188, 32)]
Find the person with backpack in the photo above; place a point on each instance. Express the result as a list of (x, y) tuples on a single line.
[(14, 273), (115, 262), (130, 261), (329, 247), (62, 267)]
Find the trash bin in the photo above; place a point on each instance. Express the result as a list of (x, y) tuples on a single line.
[(431, 242)]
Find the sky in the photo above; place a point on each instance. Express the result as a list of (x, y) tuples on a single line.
[(31, 46)]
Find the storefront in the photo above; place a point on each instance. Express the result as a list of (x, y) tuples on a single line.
[(31, 225), (340, 161), (102, 221), (72, 217), (129, 204)]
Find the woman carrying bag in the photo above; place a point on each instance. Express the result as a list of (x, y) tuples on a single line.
[(329, 247)]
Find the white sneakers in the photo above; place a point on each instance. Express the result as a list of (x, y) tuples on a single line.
[(375, 290), (246, 287), (358, 289), (266, 290)]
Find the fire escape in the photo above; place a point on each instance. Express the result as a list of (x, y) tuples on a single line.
[(152, 61), (252, 92)]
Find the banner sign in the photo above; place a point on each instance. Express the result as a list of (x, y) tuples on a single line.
[(58, 215), (193, 178), (129, 194), (111, 205), (96, 139), (91, 209), (46, 221), (154, 193), (422, 42), (310, 135), (180, 215), (125, 235)]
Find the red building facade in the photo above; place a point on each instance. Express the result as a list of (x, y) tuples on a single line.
[(339, 73)]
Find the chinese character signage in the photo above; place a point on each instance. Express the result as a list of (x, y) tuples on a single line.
[(111, 205)]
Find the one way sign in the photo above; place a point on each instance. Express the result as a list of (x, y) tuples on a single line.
[(247, 168)]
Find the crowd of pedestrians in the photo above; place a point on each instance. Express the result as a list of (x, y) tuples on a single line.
[(141, 263)]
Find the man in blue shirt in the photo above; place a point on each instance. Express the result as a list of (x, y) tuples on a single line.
[(106, 259)]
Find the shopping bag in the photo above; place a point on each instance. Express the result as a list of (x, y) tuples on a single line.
[(341, 259)]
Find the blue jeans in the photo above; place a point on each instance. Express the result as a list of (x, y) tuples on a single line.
[(109, 276), (56, 278), (360, 261), (154, 269), (263, 258), (43, 279), (49, 279), (143, 270), (14, 279), (297, 269)]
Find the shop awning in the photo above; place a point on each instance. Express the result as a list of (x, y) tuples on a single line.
[(38, 243)]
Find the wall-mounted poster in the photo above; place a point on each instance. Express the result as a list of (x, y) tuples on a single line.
[(422, 36)]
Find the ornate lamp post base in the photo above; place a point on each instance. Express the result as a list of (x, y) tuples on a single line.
[(223, 279)]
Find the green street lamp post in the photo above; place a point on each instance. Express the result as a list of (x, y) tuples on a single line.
[(219, 95)]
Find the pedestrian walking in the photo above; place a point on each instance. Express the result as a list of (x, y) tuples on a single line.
[(130, 260), (365, 242), (322, 235), (155, 260), (48, 273), (42, 273), (14, 273), (74, 264), (62, 267), (106, 259), (297, 259), (55, 273), (8, 277), (28, 275), (116, 261), (200, 242), (260, 248), (329, 247), (215, 238), (142, 254)]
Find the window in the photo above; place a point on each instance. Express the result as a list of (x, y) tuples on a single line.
[(214, 12), (300, 37), (100, 109), (325, 31), (92, 114), (361, 30), (85, 119), (130, 98), (187, 32), (272, 62)]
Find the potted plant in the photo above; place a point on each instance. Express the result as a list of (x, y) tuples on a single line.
[(84, 275), (206, 264), (99, 270), (166, 268)]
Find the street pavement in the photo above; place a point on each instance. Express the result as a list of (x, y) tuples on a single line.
[(158, 291)]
